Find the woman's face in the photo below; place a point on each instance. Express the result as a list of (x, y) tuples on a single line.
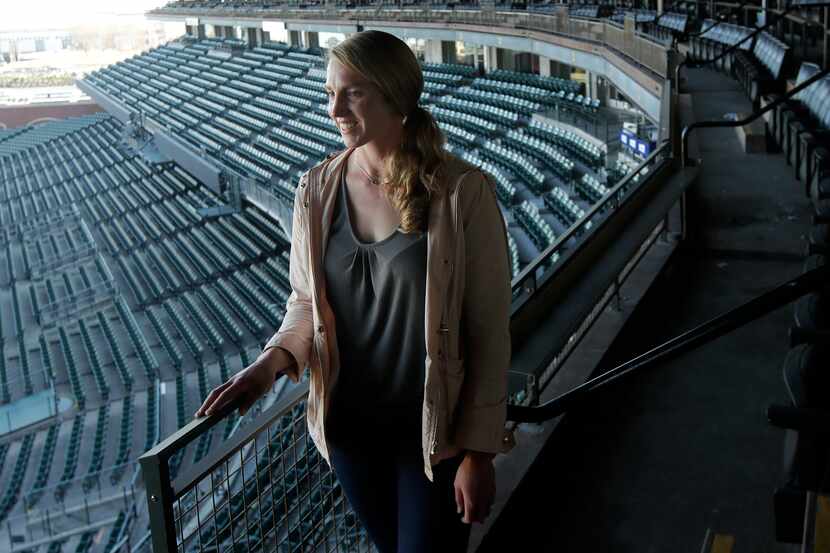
[(358, 108)]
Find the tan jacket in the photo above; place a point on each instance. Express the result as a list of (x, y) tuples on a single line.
[(467, 312)]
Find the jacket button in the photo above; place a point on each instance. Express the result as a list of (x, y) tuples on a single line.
[(320, 329), (305, 204), (446, 261)]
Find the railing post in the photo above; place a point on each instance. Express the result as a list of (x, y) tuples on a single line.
[(160, 499)]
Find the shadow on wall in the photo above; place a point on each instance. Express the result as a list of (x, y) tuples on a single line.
[(12, 117), (41, 121)]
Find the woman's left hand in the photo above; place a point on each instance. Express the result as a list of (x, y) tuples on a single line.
[(475, 487)]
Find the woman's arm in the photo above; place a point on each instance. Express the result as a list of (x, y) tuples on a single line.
[(482, 408), (297, 329)]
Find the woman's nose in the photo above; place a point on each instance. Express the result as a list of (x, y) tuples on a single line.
[(337, 106)]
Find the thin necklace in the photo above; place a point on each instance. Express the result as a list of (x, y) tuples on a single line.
[(372, 179)]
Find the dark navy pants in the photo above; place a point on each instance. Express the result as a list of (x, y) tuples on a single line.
[(385, 484)]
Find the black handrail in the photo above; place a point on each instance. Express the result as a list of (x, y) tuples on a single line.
[(684, 137), (702, 334)]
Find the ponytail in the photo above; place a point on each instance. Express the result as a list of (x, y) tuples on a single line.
[(415, 169)]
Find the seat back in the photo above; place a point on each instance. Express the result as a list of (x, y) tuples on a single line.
[(740, 33), (806, 71), (771, 52), (819, 102), (709, 32)]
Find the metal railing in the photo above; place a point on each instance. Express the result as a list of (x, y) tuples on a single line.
[(694, 338), (263, 489), (542, 268)]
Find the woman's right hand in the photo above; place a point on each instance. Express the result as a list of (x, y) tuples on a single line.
[(250, 383)]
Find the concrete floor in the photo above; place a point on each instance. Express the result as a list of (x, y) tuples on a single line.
[(685, 448)]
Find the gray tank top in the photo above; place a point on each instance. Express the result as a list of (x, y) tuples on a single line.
[(377, 293)]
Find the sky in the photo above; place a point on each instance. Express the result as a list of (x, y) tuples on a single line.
[(19, 15)]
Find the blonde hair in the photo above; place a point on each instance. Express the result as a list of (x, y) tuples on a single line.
[(413, 170)]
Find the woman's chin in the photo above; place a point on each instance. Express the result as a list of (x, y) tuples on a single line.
[(352, 139)]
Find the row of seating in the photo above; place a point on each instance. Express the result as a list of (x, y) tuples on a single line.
[(72, 370), (459, 134), (548, 82), (122, 456), (175, 462), (73, 450), (115, 350), (151, 427), (97, 370), (273, 314), (472, 123), (321, 131), (677, 22), (269, 284), (517, 163), (202, 321), (44, 467), (716, 38), (98, 444), (5, 393), (549, 156), (760, 72), (590, 189), (505, 189), (807, 451), (167, 342), (148, 360), (499, 116), (531, 221), (25, 370), (514, 255), (506, 101), (589, 153), (249, 318), (185, 331), (800, 125), (221, 314), (450, 68), (563, 207), (15, 481)]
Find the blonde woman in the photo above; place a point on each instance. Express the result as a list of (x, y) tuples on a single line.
[(399, 306)]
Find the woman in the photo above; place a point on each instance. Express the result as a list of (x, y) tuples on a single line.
[(400, 306)]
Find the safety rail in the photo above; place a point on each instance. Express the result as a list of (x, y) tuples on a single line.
[(541, 269), (702, 334), (272, 467)]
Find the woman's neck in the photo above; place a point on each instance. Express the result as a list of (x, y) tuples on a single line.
[(370, 163), (372, 155)]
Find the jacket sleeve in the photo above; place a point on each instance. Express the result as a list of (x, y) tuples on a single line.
[(297, 329), (485, 320)]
